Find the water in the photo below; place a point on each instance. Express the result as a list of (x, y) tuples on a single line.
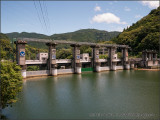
[(109, 95)]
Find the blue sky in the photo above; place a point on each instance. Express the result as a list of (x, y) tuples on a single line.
[(68, 16)]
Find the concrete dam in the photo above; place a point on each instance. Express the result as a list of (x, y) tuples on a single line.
[(80, 61)]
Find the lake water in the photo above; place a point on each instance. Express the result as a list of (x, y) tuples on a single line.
[(108, 95)]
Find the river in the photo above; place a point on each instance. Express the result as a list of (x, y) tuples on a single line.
[(125, 94)]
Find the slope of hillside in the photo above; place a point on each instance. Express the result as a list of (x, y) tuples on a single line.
[(84, 35), (29, 35), (144, 34), (89, 35), (25, 34)]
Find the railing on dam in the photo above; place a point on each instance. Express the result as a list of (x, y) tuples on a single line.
[(63, 60), (57, 61), (35, 62)]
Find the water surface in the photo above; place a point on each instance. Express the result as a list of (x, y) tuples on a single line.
[(111, 94)]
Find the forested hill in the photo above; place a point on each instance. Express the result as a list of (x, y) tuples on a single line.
[(85, 35), (144, 34), (26, 35)]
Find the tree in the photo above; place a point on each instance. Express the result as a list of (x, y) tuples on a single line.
[(33, 68), (11, 82), (144, 34), (86, 49), (5, 47), (64, 54)]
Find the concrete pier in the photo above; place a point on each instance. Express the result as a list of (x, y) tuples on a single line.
[(95, 58), (54, 70), (78, 70), (20, 56), (125, 61), (111, 58), (127, 66), (23, 73), (113, 67), (76, 58), (52, 58), (131, 65)]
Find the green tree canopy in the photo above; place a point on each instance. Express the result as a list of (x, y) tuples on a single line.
[(64, 54), (5, 47), (144, 34), (11, 82)]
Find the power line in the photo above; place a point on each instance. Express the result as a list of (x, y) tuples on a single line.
[(46, 13), (43, 16), (39, 16)]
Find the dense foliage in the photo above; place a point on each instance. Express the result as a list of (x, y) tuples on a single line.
[(86, 49), (31, 52), (33, 68), (64, 54), (144, 34), (11, 82), (5, 47)]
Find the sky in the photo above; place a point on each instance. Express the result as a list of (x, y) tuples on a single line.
[(54, 17)]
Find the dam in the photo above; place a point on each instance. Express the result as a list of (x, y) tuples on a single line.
[(75, 65)]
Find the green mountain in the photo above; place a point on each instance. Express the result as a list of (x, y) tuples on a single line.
[(86, 35), (29, 35), (25, 35), (144, 34), (83, 35)]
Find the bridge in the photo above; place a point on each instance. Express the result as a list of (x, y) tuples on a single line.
[(76, 64)]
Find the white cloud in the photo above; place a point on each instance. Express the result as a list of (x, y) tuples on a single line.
[(138, 16), (151, 4), (97, 8), (107, 18), (127, 9)]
